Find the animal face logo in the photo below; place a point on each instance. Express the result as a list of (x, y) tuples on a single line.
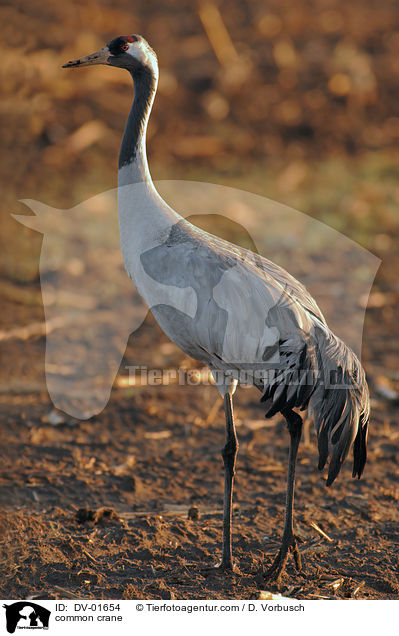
[(26, 615), (91, 307)]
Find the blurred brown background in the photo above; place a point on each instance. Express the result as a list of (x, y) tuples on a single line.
[(294, 100)]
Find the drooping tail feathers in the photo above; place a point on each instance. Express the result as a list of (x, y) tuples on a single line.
[(334, 391)]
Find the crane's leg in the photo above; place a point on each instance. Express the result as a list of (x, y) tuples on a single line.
[(289, 543), (229, 454)]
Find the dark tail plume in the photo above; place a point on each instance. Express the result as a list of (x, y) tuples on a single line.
[(340, 405)]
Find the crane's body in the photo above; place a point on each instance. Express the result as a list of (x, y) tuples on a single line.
[(234, 310)]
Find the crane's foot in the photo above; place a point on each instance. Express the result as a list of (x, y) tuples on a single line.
[(220, 570), (226, 566), (288, 546)]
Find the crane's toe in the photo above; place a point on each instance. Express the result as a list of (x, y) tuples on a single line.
[(288, 546)]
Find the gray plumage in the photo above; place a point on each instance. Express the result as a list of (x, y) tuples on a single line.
[(316, 370)]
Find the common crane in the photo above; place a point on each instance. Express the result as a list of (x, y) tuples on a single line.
[(233, 310)]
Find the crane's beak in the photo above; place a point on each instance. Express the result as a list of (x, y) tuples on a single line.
[(100, 57)]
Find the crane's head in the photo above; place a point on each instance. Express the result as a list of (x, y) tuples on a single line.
[(131, 52)]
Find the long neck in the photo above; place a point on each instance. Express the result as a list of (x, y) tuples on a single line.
[(133, 166)]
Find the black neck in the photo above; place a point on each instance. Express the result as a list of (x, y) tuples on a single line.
[(133, 149)]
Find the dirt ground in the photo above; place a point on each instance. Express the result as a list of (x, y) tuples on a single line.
[(129, 503)]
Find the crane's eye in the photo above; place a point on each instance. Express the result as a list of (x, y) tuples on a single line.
[(125, 47)]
